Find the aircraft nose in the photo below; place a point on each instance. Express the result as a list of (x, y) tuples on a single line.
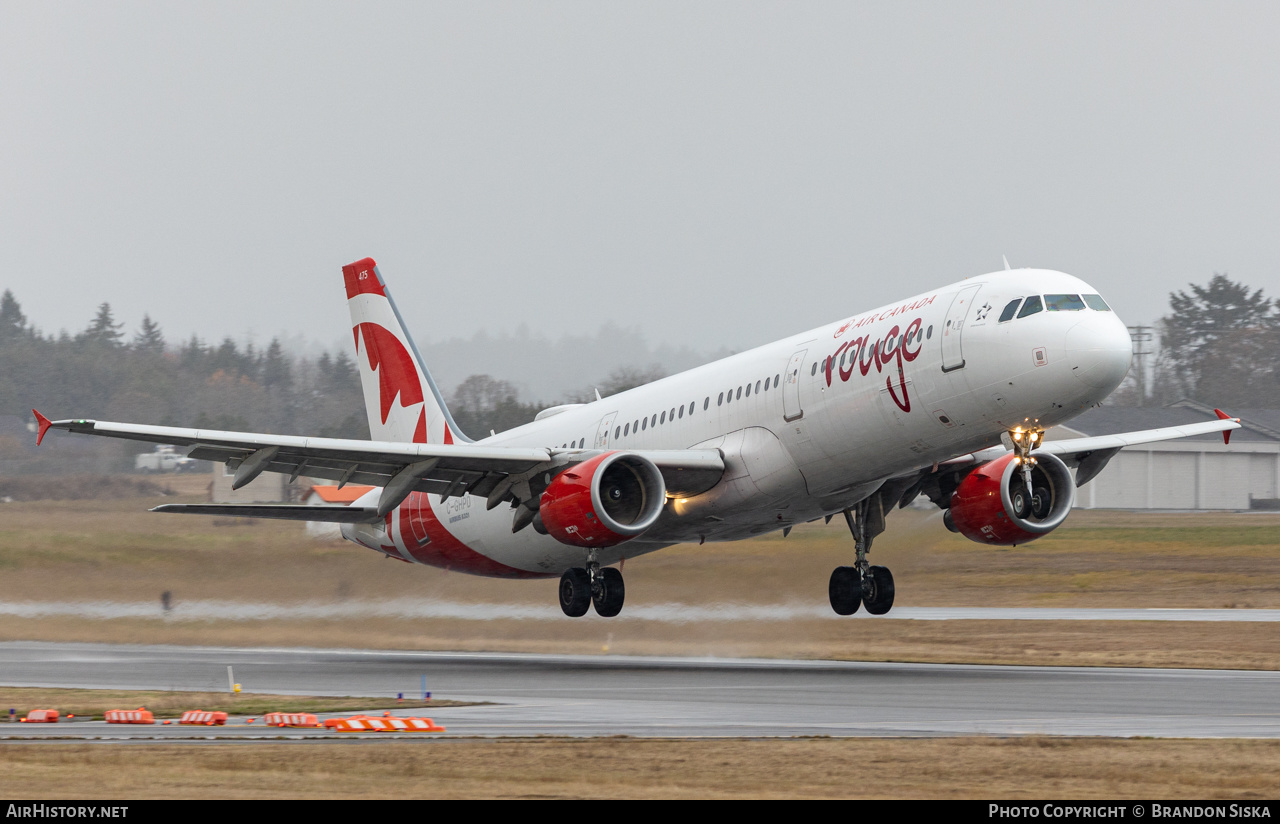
[(1099, 350)]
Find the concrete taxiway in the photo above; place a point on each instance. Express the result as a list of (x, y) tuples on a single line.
[(605, 695)]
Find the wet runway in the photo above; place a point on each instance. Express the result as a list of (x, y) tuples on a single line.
[(422, 608), (615, 695)]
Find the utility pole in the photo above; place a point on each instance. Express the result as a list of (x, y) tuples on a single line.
[(1142, 338)]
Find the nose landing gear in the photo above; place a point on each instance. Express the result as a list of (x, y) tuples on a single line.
[(862, 584), (1021, 441)]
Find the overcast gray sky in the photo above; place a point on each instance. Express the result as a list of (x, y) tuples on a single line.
[(719, 174)]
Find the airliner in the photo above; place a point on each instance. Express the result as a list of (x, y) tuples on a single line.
[(945, 394)]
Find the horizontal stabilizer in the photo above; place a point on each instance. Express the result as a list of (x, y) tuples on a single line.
[(286, 512)]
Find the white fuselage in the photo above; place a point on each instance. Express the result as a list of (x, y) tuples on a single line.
[(811, 424)]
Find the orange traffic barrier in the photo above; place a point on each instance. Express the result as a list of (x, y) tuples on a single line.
[(138, 716), (369, 723), (204, 718), (41, 717), (290, 719)]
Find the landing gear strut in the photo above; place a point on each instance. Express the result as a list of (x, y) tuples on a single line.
[(862, 584), (1020, 441), (580, 588)]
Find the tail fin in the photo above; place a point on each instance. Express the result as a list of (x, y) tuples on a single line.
[(403, 402)]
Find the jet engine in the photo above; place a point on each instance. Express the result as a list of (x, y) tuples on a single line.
[(993, 504), (604, 501)]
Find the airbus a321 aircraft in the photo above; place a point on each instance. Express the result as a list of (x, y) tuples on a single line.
[(945, 394)]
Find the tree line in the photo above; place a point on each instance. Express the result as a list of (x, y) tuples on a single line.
[(101, 372), (104, 373)]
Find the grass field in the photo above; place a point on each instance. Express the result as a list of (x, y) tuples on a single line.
[(115, 551), (940, 768)]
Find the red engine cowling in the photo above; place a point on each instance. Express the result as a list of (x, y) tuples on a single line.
[(604, 501), (991, 504)]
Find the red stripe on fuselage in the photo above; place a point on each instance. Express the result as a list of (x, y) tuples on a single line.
[(426, 539)]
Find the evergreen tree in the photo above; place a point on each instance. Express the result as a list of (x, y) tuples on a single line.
[(149, 338), (13, 324), (103, 330), (276, 371)]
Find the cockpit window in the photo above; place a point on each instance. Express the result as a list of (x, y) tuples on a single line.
[(1007, 314), (1096, 302), (1032, 306), (1063, 303)]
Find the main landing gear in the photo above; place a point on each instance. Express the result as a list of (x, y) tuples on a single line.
[(862, 584), (580, 588)]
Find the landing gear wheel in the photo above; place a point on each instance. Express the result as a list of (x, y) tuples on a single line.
[(575, 592), (877, 590), (845, 590), (1020, 499), (608, 601), (1041, 502)]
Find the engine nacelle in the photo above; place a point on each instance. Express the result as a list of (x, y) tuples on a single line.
[(604, 501), (991, 504)]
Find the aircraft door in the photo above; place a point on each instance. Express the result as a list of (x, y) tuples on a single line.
[(953, 326), (603, 437), (791, 410)]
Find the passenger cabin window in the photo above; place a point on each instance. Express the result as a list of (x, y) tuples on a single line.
[(1096, 302), (1063, 303), (1007, 314), (1032, 306)]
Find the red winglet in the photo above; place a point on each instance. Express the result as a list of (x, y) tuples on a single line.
[(1226, 435), (44, 422)]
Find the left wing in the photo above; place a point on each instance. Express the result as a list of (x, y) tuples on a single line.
[(497, 473), (1088, 456)]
